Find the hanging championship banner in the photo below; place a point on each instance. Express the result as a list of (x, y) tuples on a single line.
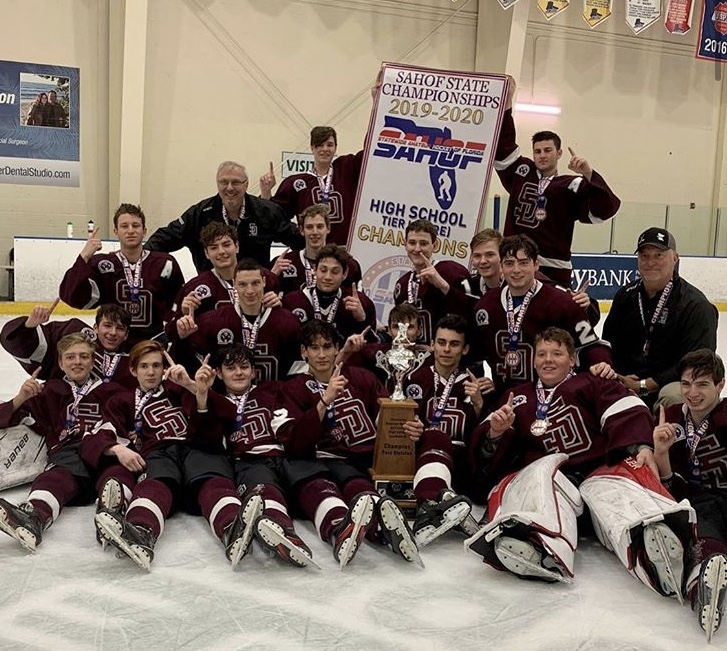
[(551, 8), (596, 11), (506, 4), (712, 43), (641, 14), (678, 18), (428, 155)]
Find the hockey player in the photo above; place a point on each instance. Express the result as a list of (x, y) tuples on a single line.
[(63, 410), (155, 416), (508, 320), (296, 268), (349, 310), (216, 287), (332, 182), (33, 342), (577, 422), (428, 283), (246, 420), (546, 205), (690, 447), (271, 332), (335, 411), (142, 282)]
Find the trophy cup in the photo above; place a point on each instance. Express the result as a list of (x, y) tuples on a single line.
[(394, 463)]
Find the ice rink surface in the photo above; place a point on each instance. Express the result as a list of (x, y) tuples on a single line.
[(70, 595)]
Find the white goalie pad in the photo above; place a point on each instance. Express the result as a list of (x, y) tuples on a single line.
[(625, 499), (23, 456), (540, 505)]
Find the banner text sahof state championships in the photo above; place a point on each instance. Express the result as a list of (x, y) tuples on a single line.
[(429, 155)]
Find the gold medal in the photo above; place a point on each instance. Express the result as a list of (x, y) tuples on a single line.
[(539, 427)]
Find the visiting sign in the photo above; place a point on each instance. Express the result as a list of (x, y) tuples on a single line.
[(39, 124), (429, 154)]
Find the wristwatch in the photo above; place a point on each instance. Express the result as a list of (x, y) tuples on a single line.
[(643, 391)]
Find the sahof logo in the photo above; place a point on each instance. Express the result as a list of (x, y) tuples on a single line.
[(403, 139), (719, 18)]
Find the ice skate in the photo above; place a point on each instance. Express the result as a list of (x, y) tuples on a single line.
[(135, 541), (349, 533), (22, 523), (111, 498), (523, 559), (396, 531), (238, 536), (284, 542), (666, 554), (711, 593), (433, 518)]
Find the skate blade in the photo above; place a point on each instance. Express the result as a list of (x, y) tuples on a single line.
[(450, 519), (273, 537), (715, 579), (253, 510), (21, 534), (666, 552), (393, 519), (110, 529), (360, 519), (477, 544), (506, 549)]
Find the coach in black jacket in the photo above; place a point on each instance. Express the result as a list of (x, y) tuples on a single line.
[(259, 222), (656, 320)]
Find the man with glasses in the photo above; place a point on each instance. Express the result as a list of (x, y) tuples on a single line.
[(258, 222)]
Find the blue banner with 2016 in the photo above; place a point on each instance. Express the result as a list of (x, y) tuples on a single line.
[(712, 43)]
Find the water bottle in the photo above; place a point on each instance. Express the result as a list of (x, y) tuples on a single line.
[(69, 230)]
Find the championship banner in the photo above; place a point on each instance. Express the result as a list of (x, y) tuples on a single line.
[(712, 43), (641, 14), (678, 19), (39, 128), (596, 11), (428, 155), (551, 8)]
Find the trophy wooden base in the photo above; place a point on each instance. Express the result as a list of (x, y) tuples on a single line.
[(394, 458)]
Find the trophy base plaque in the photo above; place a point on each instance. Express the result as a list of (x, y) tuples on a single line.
[(394, 459)]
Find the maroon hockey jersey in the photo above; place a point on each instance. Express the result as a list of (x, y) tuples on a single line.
[(102, 280), (430, 302), (295, 278), (298, 191), (568, 199), (300, 303), (590, 419), (278, 340), (350, 431), (550, 306)]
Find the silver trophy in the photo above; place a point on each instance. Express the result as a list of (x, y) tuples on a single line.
[(399, 361)]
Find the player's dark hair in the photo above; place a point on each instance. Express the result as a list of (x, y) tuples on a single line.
[(144, 348), (249, 264), (114, 313), (129, 209), (315, 328), (321, 209), (510, 246), (702, 362), (318, 135), (422, 226), (71, 340), (231, 354), (336, 252), (454, 322), (541, 136), (487, 235), (216, 230), (557, 336), (403, 313)]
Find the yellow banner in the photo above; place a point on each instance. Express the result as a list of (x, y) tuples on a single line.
[(596, 11), (551, 8)]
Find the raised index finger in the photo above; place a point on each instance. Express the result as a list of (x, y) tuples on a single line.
[(94, 233), (36, 373), (662, 415), (510, 399), (272, 171), (572, 153), (168, 357), (53, 306), (206, 360), (584, 286)]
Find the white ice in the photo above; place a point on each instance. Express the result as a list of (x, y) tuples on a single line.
[(70, 595)]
